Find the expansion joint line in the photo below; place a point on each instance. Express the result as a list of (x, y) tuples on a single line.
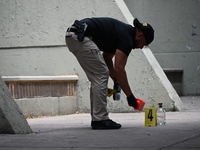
[(179, 142)]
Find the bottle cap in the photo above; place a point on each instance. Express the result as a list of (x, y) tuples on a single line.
[(140, 104), (160, 105)]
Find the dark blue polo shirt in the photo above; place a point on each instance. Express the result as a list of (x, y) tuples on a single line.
[(110, 34)]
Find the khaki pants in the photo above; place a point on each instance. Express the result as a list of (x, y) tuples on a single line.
[(92, 62)]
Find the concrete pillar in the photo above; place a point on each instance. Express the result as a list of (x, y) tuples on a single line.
[(150, 83), (12, 120)]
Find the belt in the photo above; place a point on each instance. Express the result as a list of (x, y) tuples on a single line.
[(72, 29), (79, 29)]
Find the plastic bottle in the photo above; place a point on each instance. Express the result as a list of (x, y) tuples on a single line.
[(161, 116), (117, 95)]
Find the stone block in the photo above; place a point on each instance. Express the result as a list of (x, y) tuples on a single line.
[(12, 120)]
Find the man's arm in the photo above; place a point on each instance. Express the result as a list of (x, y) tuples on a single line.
[(108, 59), (118, 72), (120, 63)]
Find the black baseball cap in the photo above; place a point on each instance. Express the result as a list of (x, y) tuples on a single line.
[(146, 29)]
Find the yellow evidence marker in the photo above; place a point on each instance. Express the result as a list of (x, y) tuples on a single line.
[(150, 117), (111, 92)]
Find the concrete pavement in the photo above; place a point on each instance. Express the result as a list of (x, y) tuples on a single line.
[(182, 132)]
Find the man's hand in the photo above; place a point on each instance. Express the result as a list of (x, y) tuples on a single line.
[(117, 86), (132, 101)]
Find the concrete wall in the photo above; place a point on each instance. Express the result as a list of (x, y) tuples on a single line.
[(177, 36), (43, 23), (32, 39), (32, 44)]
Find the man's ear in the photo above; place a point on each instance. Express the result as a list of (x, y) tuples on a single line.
[(139, 35)]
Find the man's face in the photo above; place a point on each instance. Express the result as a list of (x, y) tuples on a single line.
[(140, 40)]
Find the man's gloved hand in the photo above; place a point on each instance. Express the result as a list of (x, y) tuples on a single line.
[(116, 87), (132, 101)]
